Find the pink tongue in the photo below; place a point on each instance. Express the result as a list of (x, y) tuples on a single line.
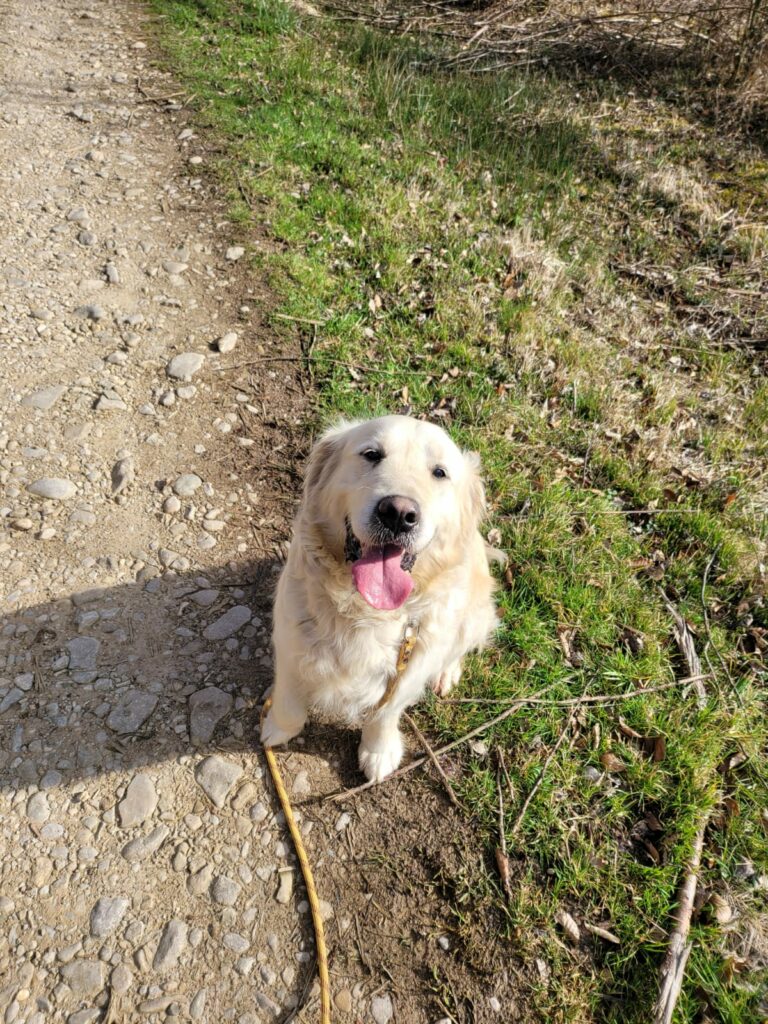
[(379, 578)]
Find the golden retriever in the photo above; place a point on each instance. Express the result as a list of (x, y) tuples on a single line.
[(386, 539)]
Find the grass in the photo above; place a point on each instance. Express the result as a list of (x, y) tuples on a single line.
[(570, 284)]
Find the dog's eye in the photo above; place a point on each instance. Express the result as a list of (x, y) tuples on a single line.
[(372, 455), (440, 473)]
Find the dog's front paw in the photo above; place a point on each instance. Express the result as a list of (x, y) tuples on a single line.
[(378, 764), (271, 733), (448, 678)]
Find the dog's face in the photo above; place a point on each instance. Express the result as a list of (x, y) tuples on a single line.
[(393, 498)]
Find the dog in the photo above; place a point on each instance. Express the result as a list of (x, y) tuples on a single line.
[(386, 544)]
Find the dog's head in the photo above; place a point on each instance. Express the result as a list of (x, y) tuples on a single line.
[(393, 498)]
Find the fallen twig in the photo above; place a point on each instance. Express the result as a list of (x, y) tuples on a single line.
[(537, 784), (602, 698), (678, 950), (502, 860), (413, 765), (431, 755), (684, 639)]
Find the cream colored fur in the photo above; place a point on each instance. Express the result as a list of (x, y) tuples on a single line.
[(334, 652)]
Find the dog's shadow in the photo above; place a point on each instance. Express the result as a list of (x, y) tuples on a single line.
[(95, 687)]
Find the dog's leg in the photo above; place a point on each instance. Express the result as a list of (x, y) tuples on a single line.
[(287, 715), (448, 678), (381, 745)]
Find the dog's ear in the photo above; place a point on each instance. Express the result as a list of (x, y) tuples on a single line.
[(474, 493), (323, 460)]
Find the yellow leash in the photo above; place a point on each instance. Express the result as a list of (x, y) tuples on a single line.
[(309, 881), (403, 657)]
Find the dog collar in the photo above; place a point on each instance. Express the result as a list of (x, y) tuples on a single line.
[(410, 636)]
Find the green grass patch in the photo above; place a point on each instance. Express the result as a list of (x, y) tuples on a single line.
[(476, 254)]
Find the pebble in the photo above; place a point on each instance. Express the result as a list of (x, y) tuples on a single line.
[(139, 802), (133, 710), (107, 914), (185, 365), (236, 943), (207, 707), (45, 399), (225, 891), (205, 598), (343, 1000), (144, 846), (186, 484), (381, 1009), (171, 504), (229, 623), (199, 882), (301, 785), (285, 888), (121, 979), (234, 253), (84, 977), (38, 809), (216, 777), (54, 488), (172, 944), (197, 1006), (83, 653), (227, 342)]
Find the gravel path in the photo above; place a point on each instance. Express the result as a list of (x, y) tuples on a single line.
[(143, 871)]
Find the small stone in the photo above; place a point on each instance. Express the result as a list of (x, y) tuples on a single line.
[(185, 365), (207, 707), (495, 1004), (285, 888), (139, 801), (259, 812), (205, 598), (229, 623), (107, 915), (91, 312), (227, 342), (234, 253), (134, 709), (225, 891), (87, 1016), (174, 267), (172, 943), (186, 484), (236, 943), (171, 504), (343, 1000), (84, 977), (216, 777), (38, 809), (44, 399), (144, 846), (381, 1009), (83, 654), (13, 696), (54, 488), (86, 238), (121, 979), (444, 942), (301, 786), (197, 1006), (200, 881), (51, 779)]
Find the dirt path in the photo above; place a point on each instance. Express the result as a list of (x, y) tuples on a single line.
[(140, 858)]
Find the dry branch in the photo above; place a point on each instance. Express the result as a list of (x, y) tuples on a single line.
[(678, 950)]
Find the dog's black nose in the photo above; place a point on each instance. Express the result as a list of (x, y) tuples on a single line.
[(398, 514)]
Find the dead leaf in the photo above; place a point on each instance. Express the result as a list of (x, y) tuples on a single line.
[(733, 965), (653, 822), (502, 863), (508, 577), (567, 638), (611, 763), (633, 640), (651, 850), (569, 926), (602, 933), (659, 749), (629, 731)]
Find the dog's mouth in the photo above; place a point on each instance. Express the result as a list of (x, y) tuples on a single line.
[(381, 574)]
